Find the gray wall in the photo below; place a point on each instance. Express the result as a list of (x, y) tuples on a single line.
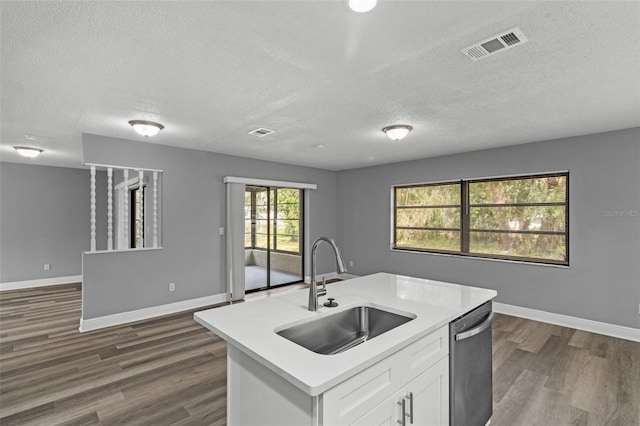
[(193, 210), (603, 280), (44, 218)]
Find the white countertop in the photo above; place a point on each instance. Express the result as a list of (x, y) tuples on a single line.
[(250, 326)]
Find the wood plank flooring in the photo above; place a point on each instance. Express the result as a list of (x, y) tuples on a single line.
[(172, 371), (165, 371), (545, 374)]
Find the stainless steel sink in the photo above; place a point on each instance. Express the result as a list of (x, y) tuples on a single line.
[(342, 331)]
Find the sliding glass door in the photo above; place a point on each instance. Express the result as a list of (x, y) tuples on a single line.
[(273, 237)]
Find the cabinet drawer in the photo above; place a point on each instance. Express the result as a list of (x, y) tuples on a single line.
[(421, 355), (351, 399)]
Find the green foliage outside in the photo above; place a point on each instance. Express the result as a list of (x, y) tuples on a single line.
[(414, 213), (430, 195), (287, 219), (435, 240), (424, 207), (521, 218), (532, 245)]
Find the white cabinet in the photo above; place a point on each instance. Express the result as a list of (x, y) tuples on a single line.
[(348, 401), (430, 394), (425, 399), (419, 370), (422, 354), (374, 396), (385, 414)]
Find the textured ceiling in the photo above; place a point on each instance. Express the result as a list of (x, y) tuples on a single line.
[(315, 73)]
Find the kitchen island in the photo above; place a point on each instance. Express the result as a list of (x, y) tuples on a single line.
[(272, 380)]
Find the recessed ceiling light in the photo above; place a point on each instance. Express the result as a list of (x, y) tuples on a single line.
[(146, 128), (320, 146), (362, 5), (398, 131), (29, 137), (28, 152)]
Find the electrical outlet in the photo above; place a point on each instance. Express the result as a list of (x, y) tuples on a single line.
[(221, 230), (172, 286), (47, 266), (351, 264)]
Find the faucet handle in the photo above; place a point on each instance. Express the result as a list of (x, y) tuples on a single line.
[(322, 291)]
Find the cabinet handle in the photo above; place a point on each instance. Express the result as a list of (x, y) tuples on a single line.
[(403, 404), (410, 407)]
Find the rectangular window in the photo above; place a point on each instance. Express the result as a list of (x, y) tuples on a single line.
[(272, 219), (286, 229), (249, 213), (522, 218), (427, 217)]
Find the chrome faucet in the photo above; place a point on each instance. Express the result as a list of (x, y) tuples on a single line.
[(314, 291)]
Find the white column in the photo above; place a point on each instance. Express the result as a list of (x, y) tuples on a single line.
[(109, 208), (125, 205), (155, 209), (93, 208), (141, 212)]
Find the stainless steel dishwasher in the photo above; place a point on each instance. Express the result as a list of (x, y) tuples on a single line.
[(470, 368)]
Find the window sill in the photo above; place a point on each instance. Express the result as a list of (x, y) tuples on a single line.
[(517, 262), (133, 250)]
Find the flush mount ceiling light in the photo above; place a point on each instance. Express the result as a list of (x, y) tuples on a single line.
[(28, 152), (146, 128), (362, 5), (398, 131)]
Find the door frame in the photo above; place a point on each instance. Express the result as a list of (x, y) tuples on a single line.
[(235, 228), (272, 230)]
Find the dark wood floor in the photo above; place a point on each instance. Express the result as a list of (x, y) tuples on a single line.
[(172, 371)]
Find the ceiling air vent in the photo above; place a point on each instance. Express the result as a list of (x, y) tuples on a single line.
[(494, 44), (261, 132)]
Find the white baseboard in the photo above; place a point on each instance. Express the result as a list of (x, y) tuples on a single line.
[(619, 331), (19, 285), (152, 312)]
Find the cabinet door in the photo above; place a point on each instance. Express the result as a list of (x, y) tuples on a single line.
[(430, 392), (385, 414), (357, 396), (421, 355)]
